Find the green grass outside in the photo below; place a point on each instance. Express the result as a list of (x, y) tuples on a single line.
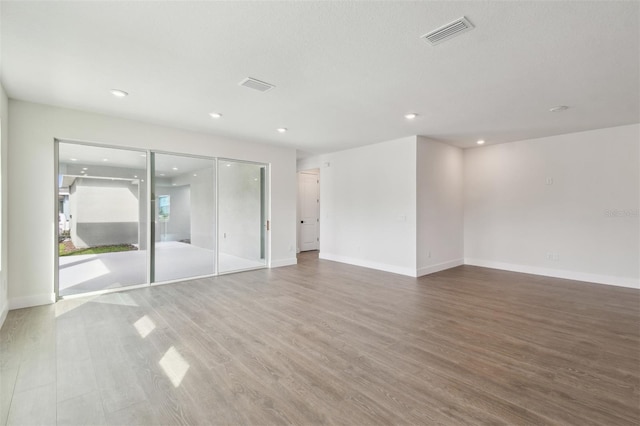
[(94, 250)]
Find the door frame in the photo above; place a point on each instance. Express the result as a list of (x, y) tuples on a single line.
[(56, 195), (150, 225), (316, 173)]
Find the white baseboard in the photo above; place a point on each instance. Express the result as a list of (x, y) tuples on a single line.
[(3, 313), (283, 262), (425, 270), (29, 301), (557, 273), (368, 264)]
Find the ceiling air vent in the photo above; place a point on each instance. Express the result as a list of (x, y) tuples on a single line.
[(258, 85), (448, 31)]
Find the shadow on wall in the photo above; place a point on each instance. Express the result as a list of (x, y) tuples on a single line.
[(106, 233)]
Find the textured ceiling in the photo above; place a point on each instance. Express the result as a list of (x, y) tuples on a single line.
[(345, 72)]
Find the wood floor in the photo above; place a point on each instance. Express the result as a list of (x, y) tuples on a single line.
[(328, 343)]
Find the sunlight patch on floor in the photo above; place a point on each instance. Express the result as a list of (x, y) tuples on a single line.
[(174, 366), (67, 306), (144, 326), (82, 272), (122, 299)]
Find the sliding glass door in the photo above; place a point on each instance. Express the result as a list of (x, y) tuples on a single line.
[(184, 217), (130, 217), (101, 218), (242, 220)]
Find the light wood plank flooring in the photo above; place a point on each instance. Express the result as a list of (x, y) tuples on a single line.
[(328, 343)]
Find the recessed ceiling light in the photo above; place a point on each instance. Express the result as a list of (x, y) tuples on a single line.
[(411, 116), (559, 108), (143, 155), (173, 184), (194, 175), (119, 93), (161, 174), (135, 176), (174, 168), (105, 159), (228, 164), (282, 129), (215, 114), (480, 142), (73, 159), (84, 168)]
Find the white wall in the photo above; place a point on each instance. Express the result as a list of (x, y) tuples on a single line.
[(239, 207), (203, 212), (178, 227), (197, 222), (309, 163), (368, 208), (586, 221), (104, 212), (75, 169), (439, 206), (395, 206), (32, 129), (4, 234)]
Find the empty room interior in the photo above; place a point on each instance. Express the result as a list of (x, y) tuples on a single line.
[(319, 212)]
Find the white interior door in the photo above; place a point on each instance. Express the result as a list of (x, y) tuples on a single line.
[(308, 210)]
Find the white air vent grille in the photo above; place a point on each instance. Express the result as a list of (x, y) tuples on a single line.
[(448, 31), (252, 83)]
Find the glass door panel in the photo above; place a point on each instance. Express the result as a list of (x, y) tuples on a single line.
[(101, 218), (184, 217), (105, 240), (241, 215)]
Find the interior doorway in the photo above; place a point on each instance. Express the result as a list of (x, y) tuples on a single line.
[(309, 210)]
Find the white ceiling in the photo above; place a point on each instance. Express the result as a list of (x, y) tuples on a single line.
[(345, 72)]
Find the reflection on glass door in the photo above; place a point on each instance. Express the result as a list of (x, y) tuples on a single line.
[(184, 218), (242, 222), (101, 218), (202, 216)]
